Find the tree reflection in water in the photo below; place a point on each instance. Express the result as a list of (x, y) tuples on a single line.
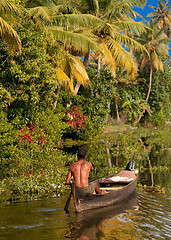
[(88, 224)]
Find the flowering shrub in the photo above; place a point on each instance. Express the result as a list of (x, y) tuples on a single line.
[(38, 181), (33, 184), (76, 118), (31, 134)]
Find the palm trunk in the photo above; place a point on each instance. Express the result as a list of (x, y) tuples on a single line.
[(108, 153), (78, 84), (148, 94), (77, 87), (148, 159), (149, 89), (151, 171), (5, 106), (107, 116), (57, 93), (117, 156), (98, 68), (117, 111)]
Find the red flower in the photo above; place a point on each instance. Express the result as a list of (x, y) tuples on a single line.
[(31, 128), (27, 137), (41, 140), (76, 118), (22, 130), (74, 108)]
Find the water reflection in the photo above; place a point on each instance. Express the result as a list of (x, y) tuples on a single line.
[(155, 215), (145, 215), (88, 224)]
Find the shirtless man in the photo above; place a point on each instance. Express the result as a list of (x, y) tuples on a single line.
[(80, 171)]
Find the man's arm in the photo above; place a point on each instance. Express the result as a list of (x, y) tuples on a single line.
[(68, 177)]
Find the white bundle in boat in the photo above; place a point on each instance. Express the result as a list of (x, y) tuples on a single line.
[(121, 179)]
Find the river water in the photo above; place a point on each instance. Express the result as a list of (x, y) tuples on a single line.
[(144, 215)]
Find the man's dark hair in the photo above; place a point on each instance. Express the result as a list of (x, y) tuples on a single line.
[(82, 153)]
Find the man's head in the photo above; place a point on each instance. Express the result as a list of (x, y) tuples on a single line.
[(82, 154)]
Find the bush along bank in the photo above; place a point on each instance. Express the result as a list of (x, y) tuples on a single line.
[(32, 168), (31, 163)]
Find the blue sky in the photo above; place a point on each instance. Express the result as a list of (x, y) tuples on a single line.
[(144, 12)]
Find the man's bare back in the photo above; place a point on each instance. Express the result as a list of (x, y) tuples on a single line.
[(80, 171)]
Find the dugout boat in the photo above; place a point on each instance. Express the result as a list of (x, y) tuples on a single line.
[(118, 187)]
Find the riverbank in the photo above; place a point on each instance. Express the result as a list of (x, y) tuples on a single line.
[(48, 176), (119, 126)]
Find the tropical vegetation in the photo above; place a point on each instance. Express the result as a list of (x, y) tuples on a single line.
[(69, 69)]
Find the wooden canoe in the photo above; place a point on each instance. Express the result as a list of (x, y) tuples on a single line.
[(118, 187)]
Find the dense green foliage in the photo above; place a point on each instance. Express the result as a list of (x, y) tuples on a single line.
[(42, 121)]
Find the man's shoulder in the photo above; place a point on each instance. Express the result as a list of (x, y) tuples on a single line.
[(87, 163), (73, 164)]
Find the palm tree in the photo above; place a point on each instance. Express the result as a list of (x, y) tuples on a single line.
[(104, 38), (7, 33), (68, 65), (118, 9), (110, 38), (162, 16), (156, 42)]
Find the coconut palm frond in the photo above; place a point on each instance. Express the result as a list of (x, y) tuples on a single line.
[(122, 9), (163, 50), (84, 20), (72, 40), (154, 8), (105, 29), (143, 63), (122, 57), (156, 42), (71, 66), (168, 7), (107, 59), (138, 3), (160, 36), (162, 4), (60, 9), (163, 39), (66, 72), (65, 65), (130, 43), (40, 12), (137, 27), (35, 3), (61, 75), (79, 77), (162, 16), (95, 6), (7, 6), (9, 35), (71, 86), (79, 71), (168, 19), (156, 61), (47, 3), (154, 15)]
